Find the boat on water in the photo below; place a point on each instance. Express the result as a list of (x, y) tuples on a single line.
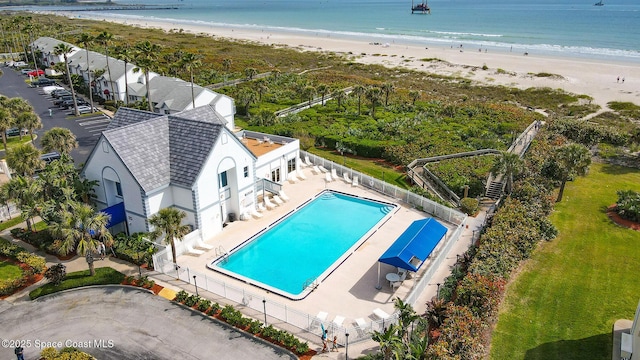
[(599, 3), (421, 8)]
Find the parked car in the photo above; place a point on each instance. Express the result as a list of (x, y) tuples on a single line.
[(69, 103), (43, 82), (13, 132), (26, 71), (49, 89), (49, 157), (19, 64), (85, 109), (61, 99), (61, 92), (34, 73)]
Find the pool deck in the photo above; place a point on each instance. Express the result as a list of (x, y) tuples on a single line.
[(350, 291)]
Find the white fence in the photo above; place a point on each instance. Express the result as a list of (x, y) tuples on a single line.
[(308, 323)]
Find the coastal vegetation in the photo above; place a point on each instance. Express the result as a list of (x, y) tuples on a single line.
[(384, 118)]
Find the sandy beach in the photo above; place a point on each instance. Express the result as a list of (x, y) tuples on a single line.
[(604, 81)]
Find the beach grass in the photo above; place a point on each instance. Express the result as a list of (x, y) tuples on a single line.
[(103, 276), (566, 298)]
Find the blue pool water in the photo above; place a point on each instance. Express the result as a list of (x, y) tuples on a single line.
[(308, 244)]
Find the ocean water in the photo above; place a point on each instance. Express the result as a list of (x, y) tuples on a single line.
[(574, 28)]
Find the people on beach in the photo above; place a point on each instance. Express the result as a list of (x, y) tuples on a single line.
[(618, 79), (623, 80), (334, 347)]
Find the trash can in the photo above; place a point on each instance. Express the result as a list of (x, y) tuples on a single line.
[(232, 217)]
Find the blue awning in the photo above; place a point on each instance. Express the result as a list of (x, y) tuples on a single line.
[(117, 213), (415, 244)]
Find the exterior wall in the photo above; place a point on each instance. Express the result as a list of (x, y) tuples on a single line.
[(225, 106), (228, 155), (277, 159), (105, 166)]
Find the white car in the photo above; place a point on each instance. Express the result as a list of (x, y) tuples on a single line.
[(48, 89), (84, 109), (26, 71)]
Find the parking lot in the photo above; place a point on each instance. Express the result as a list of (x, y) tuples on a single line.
[(86, 128)]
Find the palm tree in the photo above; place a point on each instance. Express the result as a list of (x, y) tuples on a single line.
[(339, 96), (261, 88), (389, 341), (570, 161), (24, 159), (78, 230), (168, 221), (64, 50), (358, 91), (246, 96), (29, 121), (87, 40), (27, 193), (189, 62), (308, 92), (105, 39), (125, 54), (59, 139), (6, 122), (322, 90), (510, 165), (146, 54), (250, 73), (387, 88), (373, 94), (226, 66)]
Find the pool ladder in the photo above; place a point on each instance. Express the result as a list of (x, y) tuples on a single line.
[(310, 283), (221, 252)]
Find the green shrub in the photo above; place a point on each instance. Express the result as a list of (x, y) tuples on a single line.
[(628, 205), (214, 309), (204, 305), (37, 264), (56, 273), (469, 206), (8, 287), (192, 300), (181, 296)]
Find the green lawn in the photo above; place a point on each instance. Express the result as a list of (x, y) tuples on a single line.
[(77, 279), (567, 297), (9, 271)]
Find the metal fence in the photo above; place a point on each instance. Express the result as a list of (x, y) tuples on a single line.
[(259, 307)]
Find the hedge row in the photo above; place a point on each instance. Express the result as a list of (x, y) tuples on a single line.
[(35, 265), (475, 287)]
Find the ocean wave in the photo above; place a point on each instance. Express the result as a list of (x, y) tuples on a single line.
[(423, 38)]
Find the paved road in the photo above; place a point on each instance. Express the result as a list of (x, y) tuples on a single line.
[(127, 323), (12, 84)]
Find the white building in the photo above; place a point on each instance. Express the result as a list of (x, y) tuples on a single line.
[(46, 46), (190, 160)]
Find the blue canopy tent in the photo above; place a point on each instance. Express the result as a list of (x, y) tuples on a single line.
[(414, 246), (117, 214)]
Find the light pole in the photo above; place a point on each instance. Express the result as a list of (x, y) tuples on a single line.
[(438, 291), (346, 347), (264, 307), (196, 284)]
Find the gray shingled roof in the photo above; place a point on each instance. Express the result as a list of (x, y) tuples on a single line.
[(47, 44), (164, 149)]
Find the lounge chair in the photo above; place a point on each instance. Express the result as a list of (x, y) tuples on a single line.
[(346, 178), (256, 214), (277, 199), (201, 244), (292, 178), (355, 181), (381, 314), (307, 161), (301, 175), (361, 325), (269, 204), (316, 170), (319, 319), (338, 320), (328, 177), (261, 207), (323, 169), (193, 251), (334, 174), (283, 196)]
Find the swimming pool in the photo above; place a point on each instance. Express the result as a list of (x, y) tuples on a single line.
[(305, 246)]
